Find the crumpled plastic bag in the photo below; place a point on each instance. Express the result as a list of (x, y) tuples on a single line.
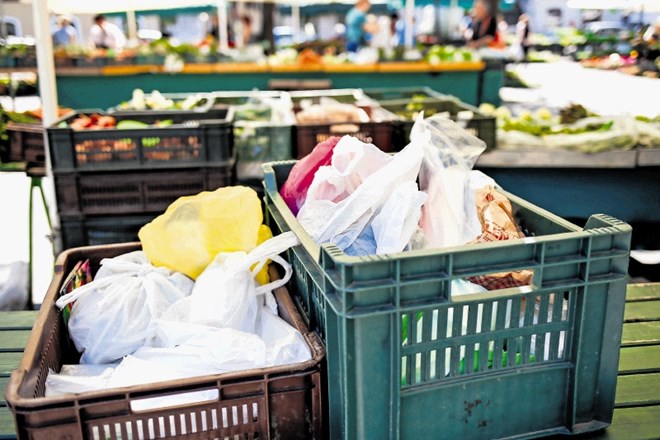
[(496, 216), (648, 133), (342, 223), (295, 188), (111, 316), (226, 294), (78, 379), (194, 229), (13, 286), (229, 323), (352, 162), (449, 154), (395, 224)]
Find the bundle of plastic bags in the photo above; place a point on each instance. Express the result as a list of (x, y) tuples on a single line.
[(140, 322), (367, 202)]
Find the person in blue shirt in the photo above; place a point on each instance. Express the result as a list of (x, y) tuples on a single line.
[(66, 34), (357, 27)]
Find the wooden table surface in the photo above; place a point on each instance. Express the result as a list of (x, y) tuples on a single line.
[(637, 408)]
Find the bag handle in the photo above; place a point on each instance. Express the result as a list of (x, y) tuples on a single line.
[(270, 250)]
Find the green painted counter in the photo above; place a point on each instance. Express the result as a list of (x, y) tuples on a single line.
[(637, 407), (104, 88)]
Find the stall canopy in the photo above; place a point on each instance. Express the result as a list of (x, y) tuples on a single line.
[(634, 5)]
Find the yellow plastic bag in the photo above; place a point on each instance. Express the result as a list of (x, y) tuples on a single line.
[(194, 229)]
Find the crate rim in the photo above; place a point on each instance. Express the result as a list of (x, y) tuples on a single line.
[(227, 121), (478, 115), (15, 401)]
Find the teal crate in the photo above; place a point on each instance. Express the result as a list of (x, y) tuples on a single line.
[(398, 93), (257, 142), (482, 126), (388, 378)]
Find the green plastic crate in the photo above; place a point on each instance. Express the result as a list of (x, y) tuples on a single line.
[(482, 126), (384, 385), (382, 95), (257, 142)]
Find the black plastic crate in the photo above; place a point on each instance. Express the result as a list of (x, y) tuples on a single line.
[(192, 141), (26, 143), (278, 402), (482, 126), (134, 192), (79, 231)]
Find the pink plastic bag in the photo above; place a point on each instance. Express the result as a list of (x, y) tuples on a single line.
[(294, 190)]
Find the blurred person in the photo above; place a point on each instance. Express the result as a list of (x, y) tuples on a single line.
[(105, 35), (357, 26), (466, 23), (484, 25), (246, 30), (522, 34), (66, 34)]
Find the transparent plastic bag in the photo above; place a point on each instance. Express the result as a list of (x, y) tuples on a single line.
[(449, 155)]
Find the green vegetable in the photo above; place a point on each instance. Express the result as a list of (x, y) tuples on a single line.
[(475, 367), (129, 124)]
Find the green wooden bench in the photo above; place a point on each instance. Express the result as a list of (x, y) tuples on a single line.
[(637, 413)]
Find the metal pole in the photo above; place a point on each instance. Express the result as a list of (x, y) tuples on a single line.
[(132, 27), (45, 63), (295, 20), (222, 25), (3, 26), (410, 14), (48, 94)]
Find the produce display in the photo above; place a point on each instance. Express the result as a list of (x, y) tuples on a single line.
[(574, 128), (437, 54), (156, 101), (6, 117), (102, 122), (32, 119), (329, 111)]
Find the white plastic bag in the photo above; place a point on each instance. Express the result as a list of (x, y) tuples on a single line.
[(226, 294), (13, 286), (395, 224), (284, 344), (449, 154), (352, 162), (343, 222), (111, 315), (73, 379)]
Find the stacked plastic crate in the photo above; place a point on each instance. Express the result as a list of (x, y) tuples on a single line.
[(111, 181)]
